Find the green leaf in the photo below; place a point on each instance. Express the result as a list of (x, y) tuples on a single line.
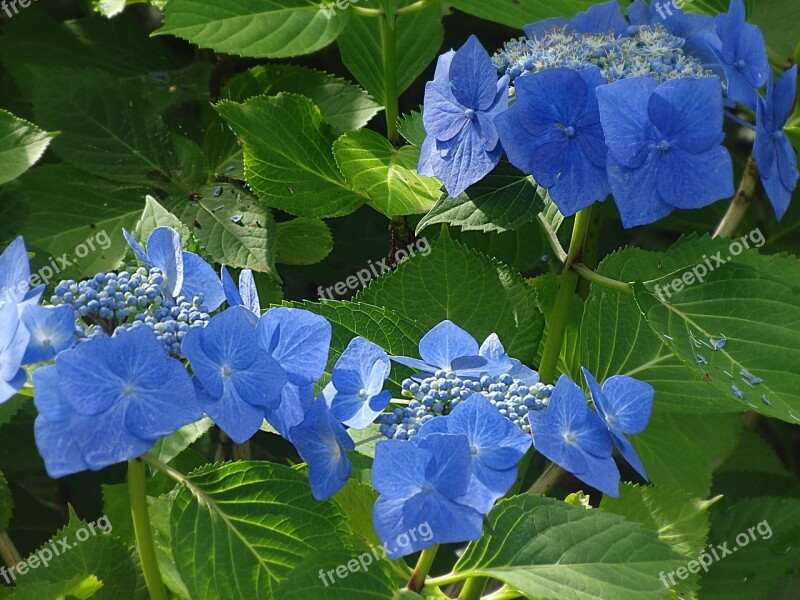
[(91, 553), (254, 28), (754, 453), (546, 287), (109, 8), (356, 500), (6, 503), (548, 549), (258, 520), (419, 39), (766, 562), (412, 128), (504, 201), (517, 13), (79, 587), (343, 105), (288, 158), (21, 146), (361, 577), (155, 215), (12, 406), (472, 290), (169, 447), (387, 174), (303, 241), (793, 133), (234, 227)]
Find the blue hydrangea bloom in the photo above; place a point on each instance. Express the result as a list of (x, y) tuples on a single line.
[(423, 483), (299, 340), (775, 157), (357, 396), (698, 31), (186, 273), (322, 443), (117, 396), (664, 143), (742, 52), (15, 276), (446, 347), (235, 379), (14, 339), (461, 103), (625, 404), (600, 18), (52, 330), (245, 294), (574, 437), (496, 446), (553, 132)]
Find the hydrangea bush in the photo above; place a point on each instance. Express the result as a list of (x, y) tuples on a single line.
[(558, 384)]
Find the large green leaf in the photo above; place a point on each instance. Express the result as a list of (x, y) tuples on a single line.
[(419, 38), (303, 241), (472, 290), (343, 105), (21, 145), (255, 28), (239, 528), (504, 201), (387, 174), (288, 158), (549, 549), (516, 13)]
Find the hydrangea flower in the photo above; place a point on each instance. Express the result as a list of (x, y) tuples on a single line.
[(742, 52), (600, 18), (15, 277), (186, 273), (52, 330), (775, 157), (355, 394), (664, 144), (113, 398), (235, 379), (625, 405), (553, 132), (322, 443), (299, 340), (447, 347), (14, 339), (697, 31), (496, 446), (421, 483), (574, 437), (245, 294), (461, 103)]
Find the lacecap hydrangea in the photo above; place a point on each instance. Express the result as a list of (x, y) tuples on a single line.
[(630, 105)]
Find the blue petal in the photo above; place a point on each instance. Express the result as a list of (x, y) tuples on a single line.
[(602, 474), (688, 113), (629, 453), (787, 161), (249, 292), (398, 470), (363, 365), (299, 340), (552, 96), (15, 272), (443, 117), (425, 166), (635, 192), (783, 97), (695, 180), (14, 339), (140, 252), (232, 295), (164, 251), (104, 440), (200, 278), (48, 397), (624, 402), (463, 161), (449, 469), (88, 380), (295, 402), (239, 420), (473, 78), (625, 118), (538, 30), (57, 445), (446, 342), (52, 330), (601, 18), (779, 196), (639, 13)]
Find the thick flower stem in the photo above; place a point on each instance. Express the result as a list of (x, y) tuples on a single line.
[(547, 480), (557, 325), (8, 551), (424, 563), (391, 97), (473, 588), (741, 201), (144, 534)]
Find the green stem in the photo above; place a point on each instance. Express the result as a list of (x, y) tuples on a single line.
[(443, 580), (547, 480), (612, 284), (391, 97), (417, 6), (367, 12), (552, 239), (144, 534), (8, 551), (557, 326), (741, 201), (778, 61), (473, 588), (424, 563)]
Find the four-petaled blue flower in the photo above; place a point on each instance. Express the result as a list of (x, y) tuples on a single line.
[(461, 102), (664, 145), (245, 294), (15, 277), (424, 483), (355, 394), (775, 157), (741, 50), (553, 132), (496, 446), (447, 347), (235, 379), (625, 404), (322, 443), (108, 400), (14, 339), (52, 330), (574, 437), (600, 18), (186, 273)]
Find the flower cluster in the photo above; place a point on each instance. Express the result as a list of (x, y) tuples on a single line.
[(612, 104)]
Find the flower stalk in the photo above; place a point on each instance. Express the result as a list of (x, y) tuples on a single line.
[(144, 533), (741, 201)]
